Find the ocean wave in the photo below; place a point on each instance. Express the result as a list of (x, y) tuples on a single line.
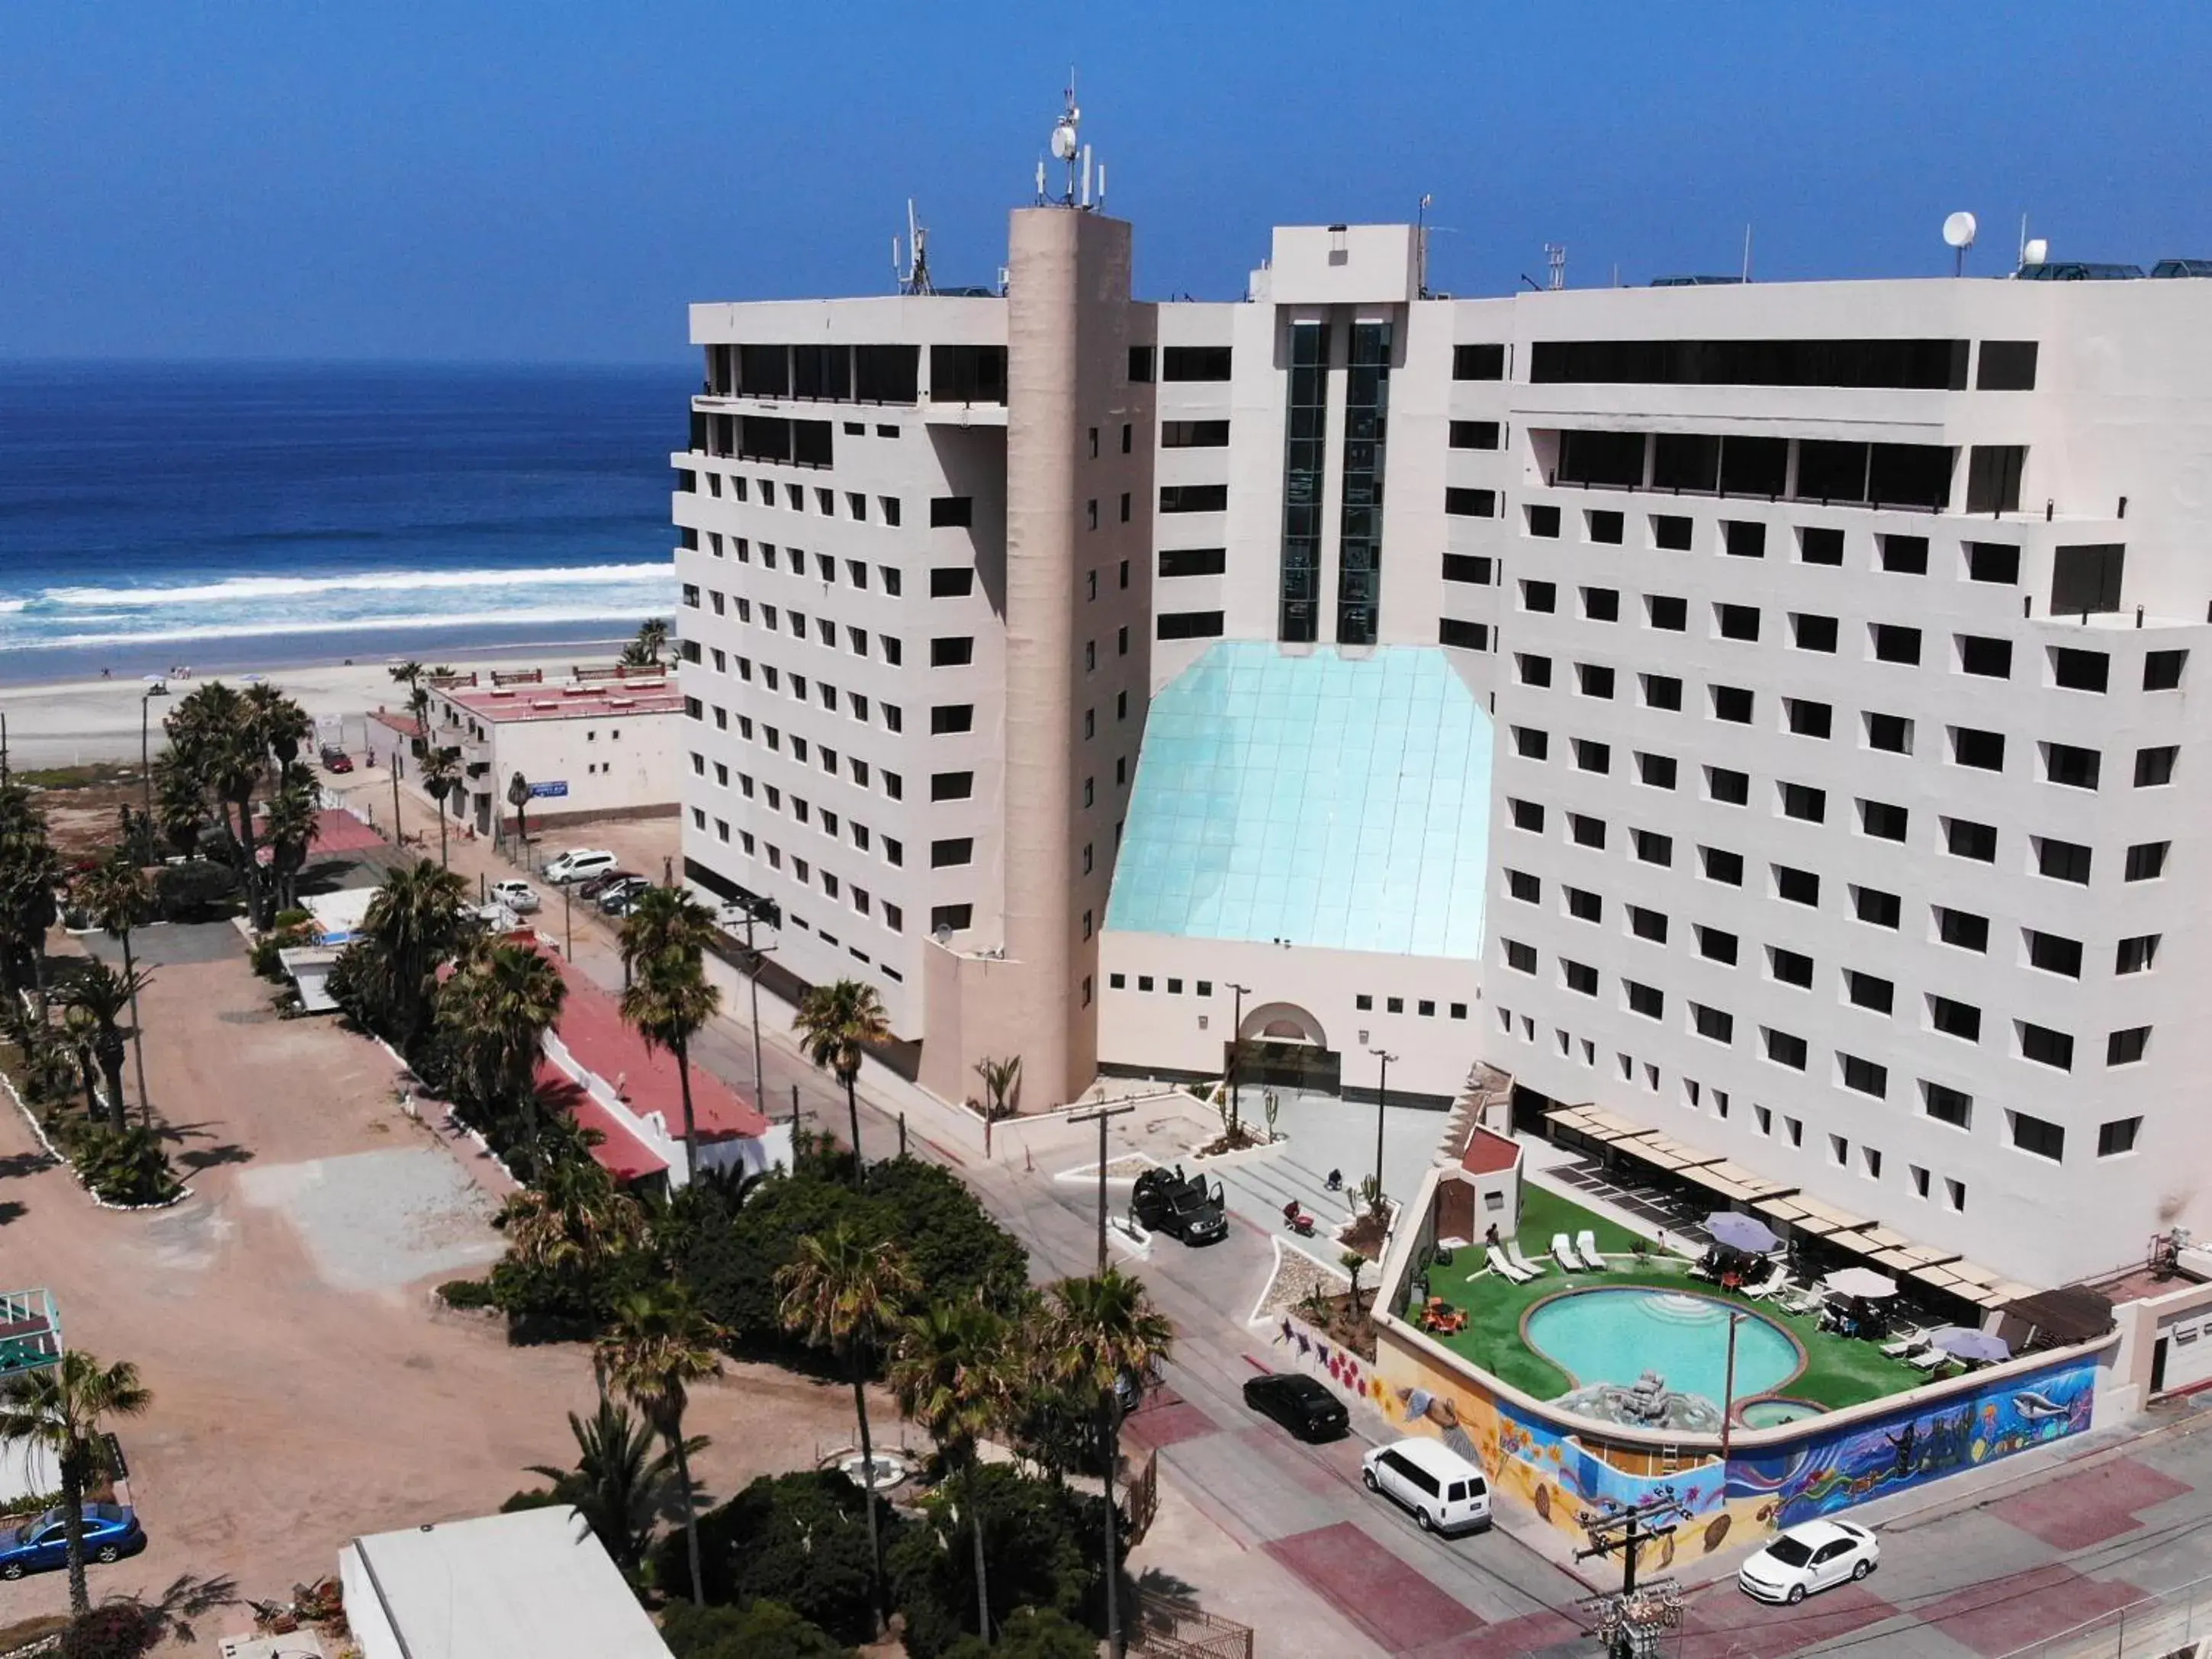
[(248, 590), (526, 615)]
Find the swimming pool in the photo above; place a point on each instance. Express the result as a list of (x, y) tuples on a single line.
[(1602, 1336)]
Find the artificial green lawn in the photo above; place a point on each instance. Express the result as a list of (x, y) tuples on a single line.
[(1839, 1370)]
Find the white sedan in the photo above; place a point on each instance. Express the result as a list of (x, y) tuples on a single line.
[(518, 897), (1817, 1556)]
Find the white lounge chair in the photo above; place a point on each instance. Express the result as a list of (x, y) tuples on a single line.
[(1930, 1359), (1586, 1249), (1564, 1253), (1910, 1342), (1765, 1286), (1505, 1269), (1802, 1299), (1513, 1255)]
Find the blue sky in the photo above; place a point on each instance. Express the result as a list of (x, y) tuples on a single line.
[(553, 181)]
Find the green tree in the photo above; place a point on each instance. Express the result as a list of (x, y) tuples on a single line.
[(30, 874), (410, 674), (619, 1483), (291, 824), (179, 804), (667, 1003), (440, 777), (414, 924), (65, 1408), (835, 1024), (117, 896), (1106, 1335), (759, 1629), (666, 922), (1041, 1539), (952, 1244), (495, 1008), (645, 651), (106, 998), (845, 1295), (797, 1540), (953, 1373), (1355, 1264), (1033, 1633), (660, 1345)]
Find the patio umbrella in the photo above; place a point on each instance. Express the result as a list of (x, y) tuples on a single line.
[(1741, 1232), (1861, 1282), (1962, 1343)]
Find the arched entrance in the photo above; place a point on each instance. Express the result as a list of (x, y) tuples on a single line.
[(1282, 1046)]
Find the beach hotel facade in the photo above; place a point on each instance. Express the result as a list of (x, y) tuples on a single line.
[(1758, 718)]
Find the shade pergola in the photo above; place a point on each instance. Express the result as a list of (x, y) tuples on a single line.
[(1595, 1123), (1823, 1220), (1732, 1180), (1665, 1152), (1980, 1285)]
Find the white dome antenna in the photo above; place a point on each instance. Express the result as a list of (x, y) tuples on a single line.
[(1069, 149), (1959, 235)]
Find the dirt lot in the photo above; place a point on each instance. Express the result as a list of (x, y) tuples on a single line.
[(304, 1390)]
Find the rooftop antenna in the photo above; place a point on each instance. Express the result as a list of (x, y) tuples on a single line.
[(1421, 247), (1958, 234), (1067, 144), (914, 279), (1746, 253), (1555, 266)]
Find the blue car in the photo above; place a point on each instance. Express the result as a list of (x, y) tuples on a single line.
[(110, 1532)]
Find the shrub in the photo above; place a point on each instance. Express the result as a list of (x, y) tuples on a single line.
[(124, 1167), (1031, 1633), (953, 1245), (113, 1630), (468, 1293), (294, 917), (1040, 1539), (762, 1630), (801, 1540), (200, 890)]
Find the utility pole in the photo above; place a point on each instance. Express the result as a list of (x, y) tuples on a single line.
[(1630, 1622), (754, 953), (567, 927), (1100, 1116), (1727, 1404), (145, 777)]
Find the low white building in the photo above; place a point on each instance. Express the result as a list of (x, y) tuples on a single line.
[(535, 1584), (597, 744)]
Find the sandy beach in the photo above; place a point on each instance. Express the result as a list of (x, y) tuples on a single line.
[(79, 722)]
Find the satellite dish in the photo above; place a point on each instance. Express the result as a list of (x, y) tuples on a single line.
[(1064, 141), (1959, 231), (2035, 252)]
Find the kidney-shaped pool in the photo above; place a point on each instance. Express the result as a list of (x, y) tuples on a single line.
[(1615, 1335)]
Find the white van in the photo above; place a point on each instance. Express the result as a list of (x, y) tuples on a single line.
[(580, 864), (1445, 1492)]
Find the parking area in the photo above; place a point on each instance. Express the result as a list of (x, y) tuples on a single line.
[(304, 1390)]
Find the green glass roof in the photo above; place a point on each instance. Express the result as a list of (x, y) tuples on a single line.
[(1313, 798)]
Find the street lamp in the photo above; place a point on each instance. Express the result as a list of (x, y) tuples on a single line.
[(145, 779), (1727, 1404), (1235, 1051), (1381, 1094)]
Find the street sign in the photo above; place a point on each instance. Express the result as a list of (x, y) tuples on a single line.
[(541, 790)]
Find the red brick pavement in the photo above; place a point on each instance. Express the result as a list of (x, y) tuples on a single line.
[(1722, 1622), (1390, 1601), (2005, 1614), (2076, 1511)]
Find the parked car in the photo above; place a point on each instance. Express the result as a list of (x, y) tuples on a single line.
[(618, 898), (110, 1532), (1817, 1556), (336, 759), (578, 863), (1300, 1403), (1182, 1206), (518, 897), (592, 887), (1445, 1492)]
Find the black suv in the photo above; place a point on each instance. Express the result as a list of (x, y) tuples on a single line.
[(1185, 1206), (1300, 1404)]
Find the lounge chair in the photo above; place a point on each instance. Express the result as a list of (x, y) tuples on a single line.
[(1803, 1299), (1767, 1284), (1586, 1249), (1513, 1255), (1907, 1342), (1930, 1359), (1505, 1269), (1564, 1253)]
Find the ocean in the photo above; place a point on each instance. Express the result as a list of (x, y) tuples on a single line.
[(233, 517)]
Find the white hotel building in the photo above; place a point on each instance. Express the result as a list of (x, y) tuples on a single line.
[(1763, 713)]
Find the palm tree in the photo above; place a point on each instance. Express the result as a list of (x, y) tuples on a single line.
[(1106, 1333), (618, 1481), (440, 777), (64, 1407), (413, 925), (30, 872), (106, 998), (179, 804), (1354, 1263), (291, 825), (644, 651), (668, 1002), (659, 1345), (518, 797), (117, 896), (572, 1214), (834, 1022), (278, 726), (954, 1373), (497, 1006), (844, 1294), (665, 921)]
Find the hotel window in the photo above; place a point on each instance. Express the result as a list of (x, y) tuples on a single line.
[(2044, 1046), (2128, 1046), (2118, 1136), (2155, 766), (2033, 1134), (1366, 409), (1474, 435), (2062, 861), (1306, 463), (1544, 521), (1790, 966), (2135, 955), (1946, 1105), (1875, 908)]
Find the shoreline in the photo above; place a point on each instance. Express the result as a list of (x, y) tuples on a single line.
[(75, 720)]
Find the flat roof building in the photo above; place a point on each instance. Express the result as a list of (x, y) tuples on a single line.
[(1760, 712)]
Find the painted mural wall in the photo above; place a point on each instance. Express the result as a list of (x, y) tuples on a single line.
[(1544, 1465)]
